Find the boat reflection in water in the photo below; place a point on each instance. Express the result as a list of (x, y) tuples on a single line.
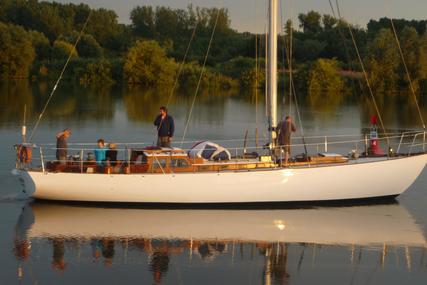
[(274, 239)]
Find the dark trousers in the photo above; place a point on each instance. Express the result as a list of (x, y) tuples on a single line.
[(163, 142)]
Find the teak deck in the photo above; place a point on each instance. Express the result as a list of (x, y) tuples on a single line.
[(177, 161)]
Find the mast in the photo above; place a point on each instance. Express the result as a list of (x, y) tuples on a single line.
[(272, 71)]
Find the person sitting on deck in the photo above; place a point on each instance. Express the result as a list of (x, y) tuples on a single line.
[(61, 145), (111, 154), (165, 128), (100, 152), (285, 128)]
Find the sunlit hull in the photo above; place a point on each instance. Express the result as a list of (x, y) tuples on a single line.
[(362, 225), (340, 182)]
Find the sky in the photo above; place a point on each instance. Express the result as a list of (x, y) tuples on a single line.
[(249, 15)]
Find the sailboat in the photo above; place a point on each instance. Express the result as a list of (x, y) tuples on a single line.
[(173, 175)]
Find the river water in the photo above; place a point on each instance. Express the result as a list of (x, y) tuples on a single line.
[(52, 243)]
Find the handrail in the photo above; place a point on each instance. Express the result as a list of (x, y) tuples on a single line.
[(325, 143), (238, 151), (400, 142), (413, 143), (424, 141), (242, 140)]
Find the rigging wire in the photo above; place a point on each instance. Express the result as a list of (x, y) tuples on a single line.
[(292, 90), (290, 67), (282, 38), (343, 38), (290, 56), (256, 79), (181, 67), (200, 77), (407, 73), (365, 74), (182, 63), (59, 78), (266, 60), (338, 8)]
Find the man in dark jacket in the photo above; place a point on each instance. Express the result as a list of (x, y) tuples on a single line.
[(165, 128), (285, 128), (61, 145)]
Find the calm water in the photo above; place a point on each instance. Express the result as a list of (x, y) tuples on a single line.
[(48, 243)]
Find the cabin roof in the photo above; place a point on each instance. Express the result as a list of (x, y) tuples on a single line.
[(164, 151)]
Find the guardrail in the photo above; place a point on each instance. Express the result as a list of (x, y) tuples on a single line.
[(314, 144)]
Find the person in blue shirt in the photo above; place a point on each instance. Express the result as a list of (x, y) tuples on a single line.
[(100, 152)]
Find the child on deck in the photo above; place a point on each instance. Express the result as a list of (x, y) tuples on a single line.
[(100, 152)]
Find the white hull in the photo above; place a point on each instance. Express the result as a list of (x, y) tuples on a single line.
[(362, 225), (339, 182)]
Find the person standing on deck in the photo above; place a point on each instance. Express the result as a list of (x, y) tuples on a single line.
[(285, 129), (100, 152), (165, 128), (61, 145)]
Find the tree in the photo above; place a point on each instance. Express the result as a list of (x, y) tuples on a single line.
[(383, 62), (143, 21), (310, 22), (62, 50), (95, 72), (166, 23), (41, 44), (324, 79), (329, 22), (16, 51), (374, 26), (146, 63), (309, 49), (86, 47), (414, 49), (103, 26)]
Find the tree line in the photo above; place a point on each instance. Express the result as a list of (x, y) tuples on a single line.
[(37, 37)]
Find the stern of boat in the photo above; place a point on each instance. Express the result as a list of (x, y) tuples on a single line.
[(27, 184)]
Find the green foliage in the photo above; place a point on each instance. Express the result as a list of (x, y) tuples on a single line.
[(95, 72), (414, 48), (243, 69), (164, 24), (237, 66), (111, 51), (86, 47), (55, 19), (143, 21), (308, 50), (103, 26), (374, 26), (16, 51), (383, 62), (146, 63), (324, 79), (41, 44), (62, 50), (310, 22), (190, 74), (252, 78)]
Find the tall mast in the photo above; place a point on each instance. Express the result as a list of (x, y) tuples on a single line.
[(272, 71)]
